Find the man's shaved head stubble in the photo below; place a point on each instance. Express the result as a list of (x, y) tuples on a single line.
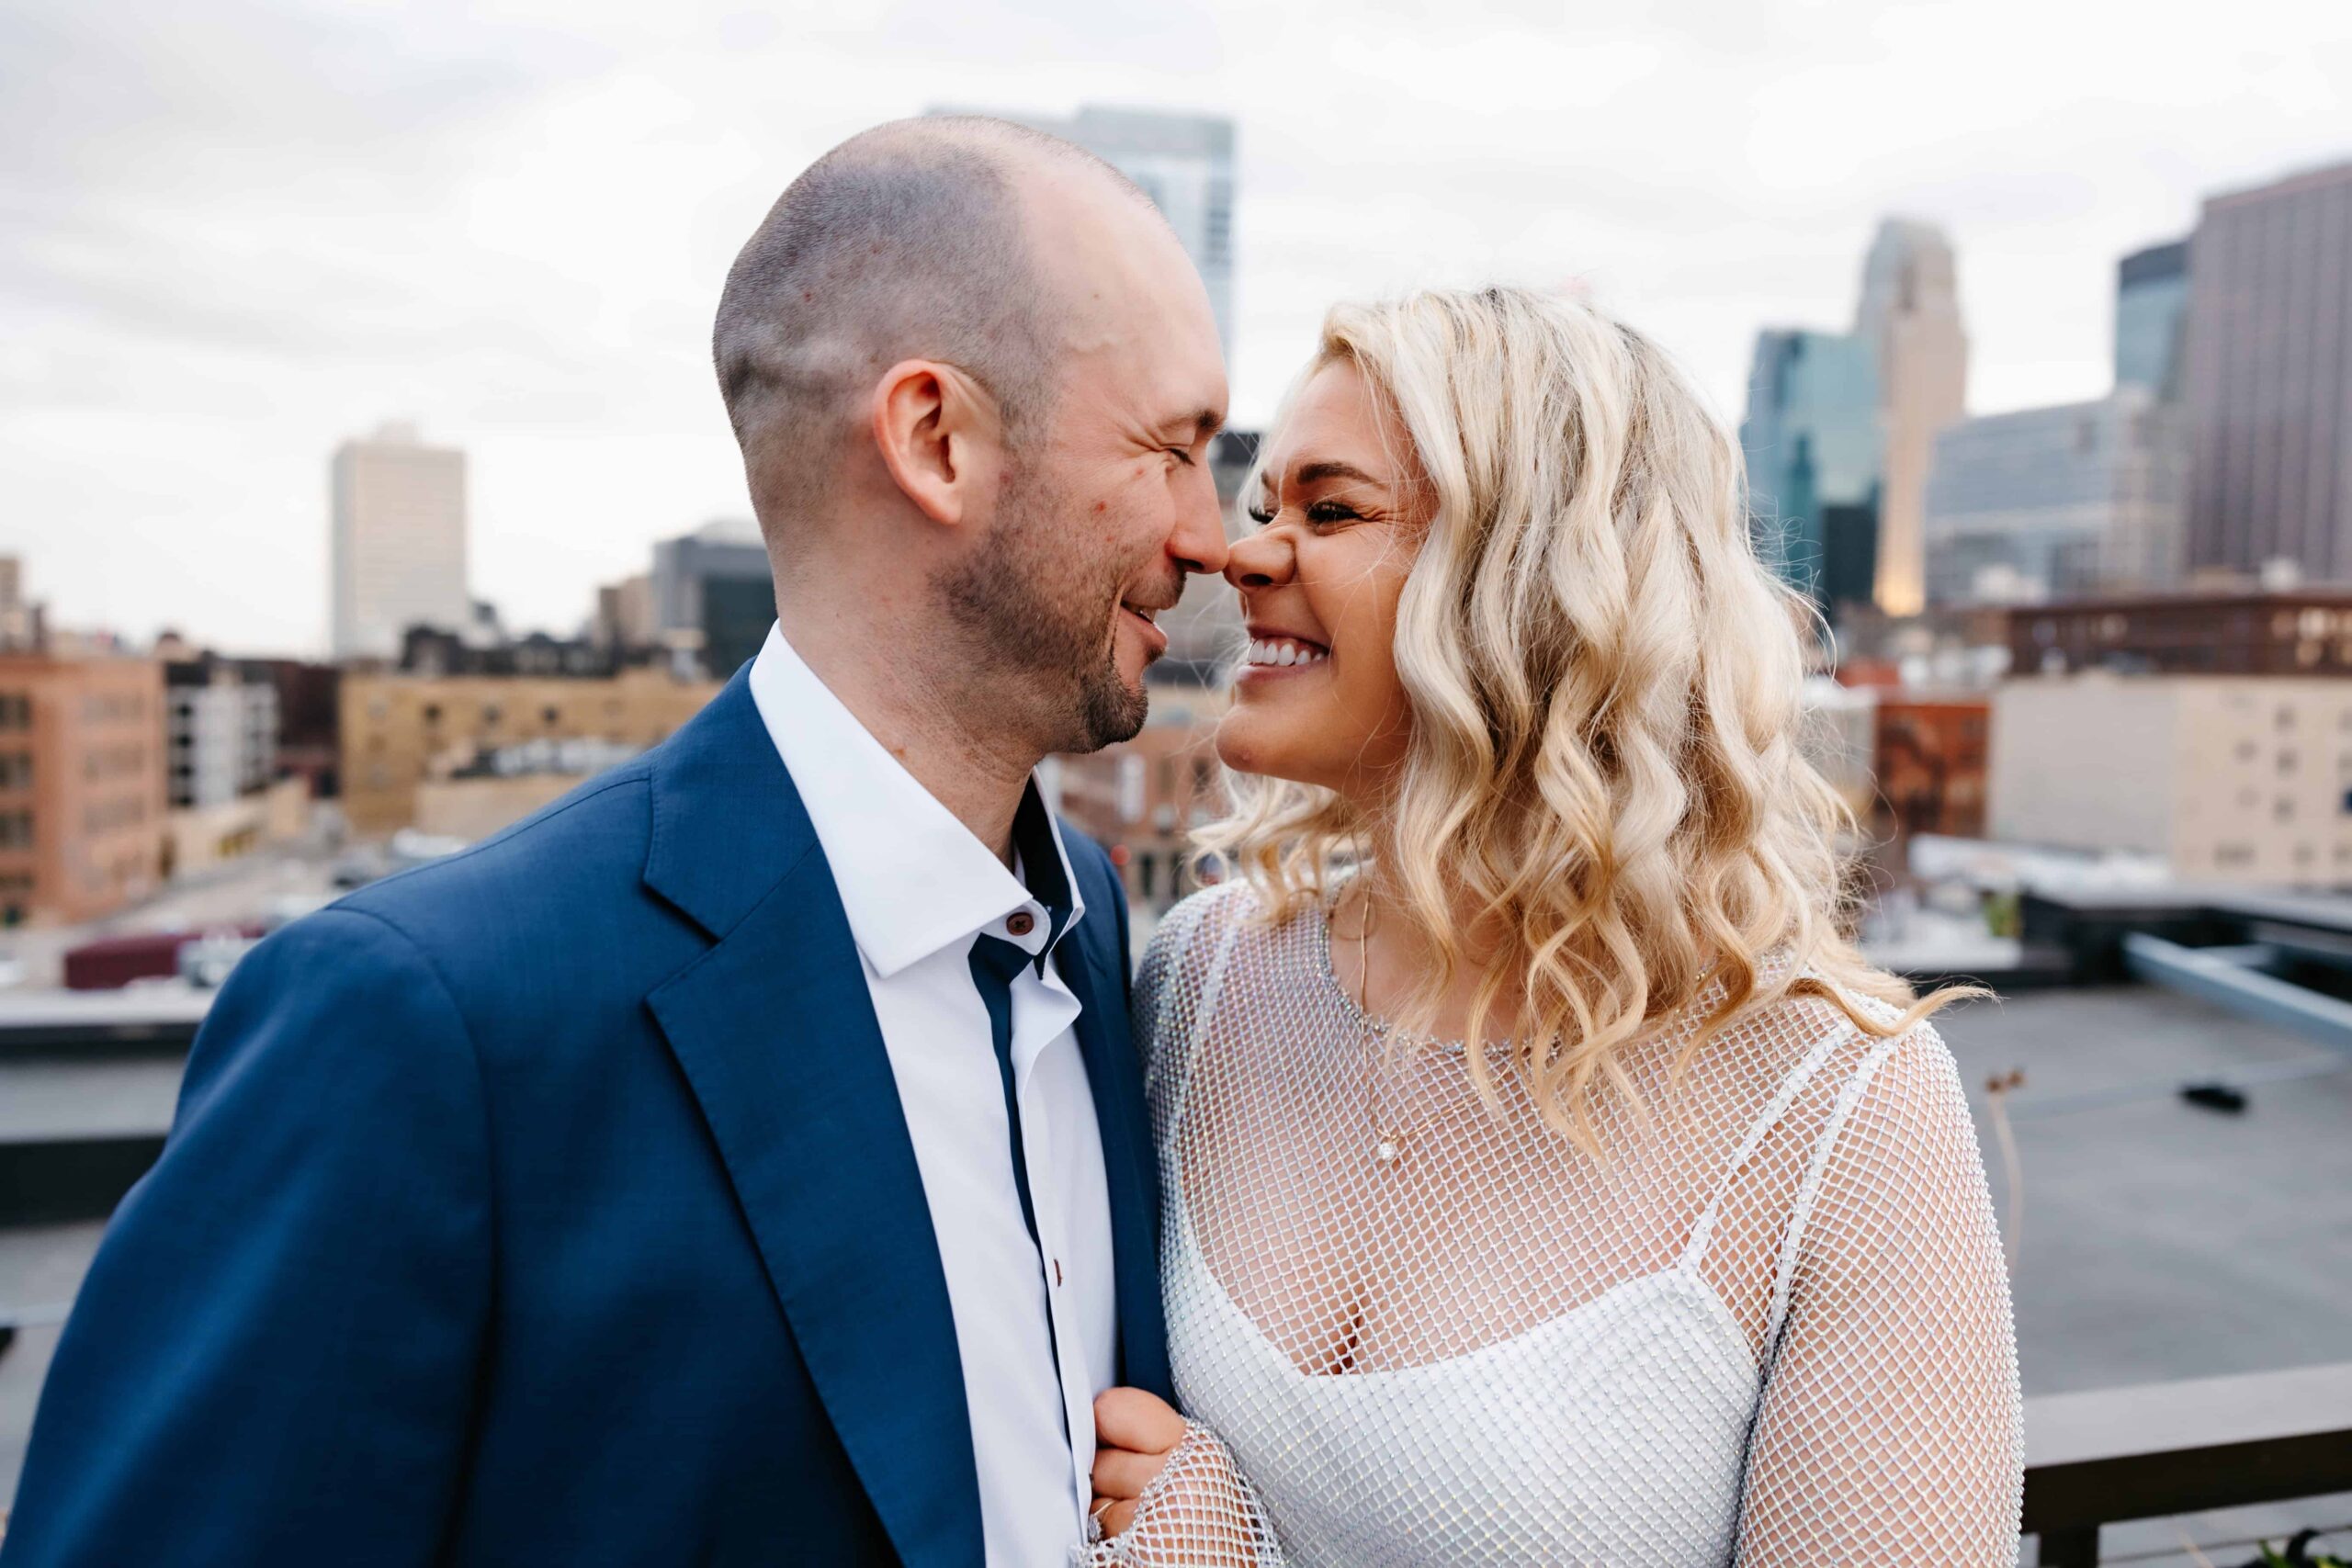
[(915, 241)]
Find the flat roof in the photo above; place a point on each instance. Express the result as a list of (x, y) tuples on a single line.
[(2158, 1239)]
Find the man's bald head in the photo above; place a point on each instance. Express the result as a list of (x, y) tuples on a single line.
[(907, 240)]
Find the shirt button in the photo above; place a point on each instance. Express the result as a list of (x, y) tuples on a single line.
[(1020, 922)]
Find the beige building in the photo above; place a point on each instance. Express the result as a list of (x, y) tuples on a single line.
[(401, 732), (1910, 317), (81, 799), (204, 838), (21, 629), (399, 543), (2243, 779)]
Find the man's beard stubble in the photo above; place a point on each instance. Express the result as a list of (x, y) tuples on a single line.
[(1037, 615)]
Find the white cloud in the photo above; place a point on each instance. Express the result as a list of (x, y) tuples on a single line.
[(231, 234)]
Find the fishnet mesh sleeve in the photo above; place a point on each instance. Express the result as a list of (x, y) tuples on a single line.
[(1197, 1512), (1891, 1427)]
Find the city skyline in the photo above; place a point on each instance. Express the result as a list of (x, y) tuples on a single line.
[(435, 239)]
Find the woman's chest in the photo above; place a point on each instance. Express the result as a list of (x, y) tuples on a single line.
[(1613, 1433)]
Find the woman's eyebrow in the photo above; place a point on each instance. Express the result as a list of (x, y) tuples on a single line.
[(1309, 473)]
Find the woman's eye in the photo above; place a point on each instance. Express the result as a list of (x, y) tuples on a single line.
[(1331, 512), (1258, 514)]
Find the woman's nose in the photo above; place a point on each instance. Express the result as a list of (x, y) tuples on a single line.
[(1261, 560)]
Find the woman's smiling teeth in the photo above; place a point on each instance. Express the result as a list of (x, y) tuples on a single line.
[(1282, 652)]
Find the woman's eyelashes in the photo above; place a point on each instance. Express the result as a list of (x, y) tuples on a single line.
[(1322, 513)]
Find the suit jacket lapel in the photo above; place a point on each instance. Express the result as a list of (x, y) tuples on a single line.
[(775, 1030), (1117, 1086)]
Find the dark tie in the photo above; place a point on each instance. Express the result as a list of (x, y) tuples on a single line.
[(994, 963)]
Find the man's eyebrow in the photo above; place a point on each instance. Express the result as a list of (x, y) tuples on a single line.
[(1202, 422)]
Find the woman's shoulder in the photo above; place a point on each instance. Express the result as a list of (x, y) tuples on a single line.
[(1195, 923), (1828, 1033)]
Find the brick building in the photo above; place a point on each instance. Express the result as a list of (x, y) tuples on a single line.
[(82, 785), (2305, 631), (1140, 798), (1930, 760)]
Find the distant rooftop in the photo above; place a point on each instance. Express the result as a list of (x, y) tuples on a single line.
[(2162, 1240), (729, 531)]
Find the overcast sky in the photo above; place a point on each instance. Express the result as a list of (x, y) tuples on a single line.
[(232, 234)]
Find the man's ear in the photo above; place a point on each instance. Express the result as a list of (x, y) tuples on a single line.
[(940, 436)]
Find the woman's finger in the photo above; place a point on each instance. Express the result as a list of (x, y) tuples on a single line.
[(1117, 1518), (1118, 1473), (1141, 1423)]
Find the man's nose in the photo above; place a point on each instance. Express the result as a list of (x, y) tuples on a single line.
[(1198, 544)]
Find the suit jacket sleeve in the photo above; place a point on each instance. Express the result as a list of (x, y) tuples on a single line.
[(272, 1362)]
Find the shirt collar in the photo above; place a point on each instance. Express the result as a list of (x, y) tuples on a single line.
[(913, 878)]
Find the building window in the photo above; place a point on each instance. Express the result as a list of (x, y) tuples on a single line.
[(2287, 760), (2232, 854)]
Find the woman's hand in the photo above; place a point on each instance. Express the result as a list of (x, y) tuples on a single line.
[(1133, 1434)]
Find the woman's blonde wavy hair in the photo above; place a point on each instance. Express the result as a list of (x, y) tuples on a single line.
[(1604, 684)]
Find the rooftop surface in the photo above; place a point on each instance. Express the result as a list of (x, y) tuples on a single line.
[(2155, 1239)]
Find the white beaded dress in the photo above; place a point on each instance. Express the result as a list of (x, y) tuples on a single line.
[(1770, 1328)]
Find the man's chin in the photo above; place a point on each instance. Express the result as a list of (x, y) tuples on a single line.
[(1112, 709)]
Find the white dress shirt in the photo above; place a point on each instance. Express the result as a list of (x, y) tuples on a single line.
[(919, 888)]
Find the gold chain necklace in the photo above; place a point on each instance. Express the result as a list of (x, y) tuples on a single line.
[(1388, 1145)]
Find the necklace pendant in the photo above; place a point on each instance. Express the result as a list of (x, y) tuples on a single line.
[(1387, 1151)]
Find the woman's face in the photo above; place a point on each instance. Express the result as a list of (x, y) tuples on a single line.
[(1319, 574)]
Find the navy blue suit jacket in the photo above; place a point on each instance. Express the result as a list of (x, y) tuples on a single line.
[(552, 1205)]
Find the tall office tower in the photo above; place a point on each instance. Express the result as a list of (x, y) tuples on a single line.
[(2269, 377), (1183, 162), (712, 595), (1910, 317), (2053, 503), (2151, 307), (1813, 447), (398, 547)]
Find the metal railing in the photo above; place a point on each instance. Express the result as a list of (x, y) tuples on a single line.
[(2155, 1450)]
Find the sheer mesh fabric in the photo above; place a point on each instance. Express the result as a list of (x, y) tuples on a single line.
[(1771, 1327)]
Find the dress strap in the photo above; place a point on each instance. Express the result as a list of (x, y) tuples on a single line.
[(1791, 1245), (1769, 1118)]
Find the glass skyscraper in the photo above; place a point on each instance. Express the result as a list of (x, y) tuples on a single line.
[(2055, 502), (1909, 315), (1813, 444), (2151, 307)]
